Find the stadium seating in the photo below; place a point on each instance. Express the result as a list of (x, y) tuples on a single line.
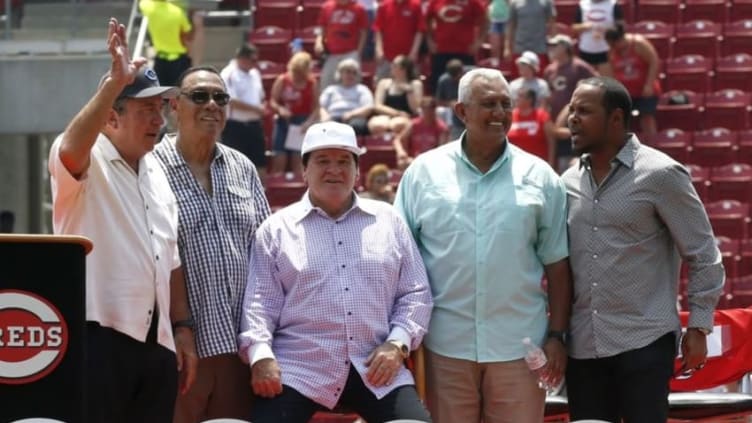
[(714, 10), (734, 72), (659, 10), (737, 37), (269, 72), (730, 218), (689, 72), (273, 43), (729, 249), (745, 146), (280, 13), (714, 147), (700, 180), (310, 14), (741, 9), (658, 33), (698, 37), (732, 181), (728, 109), (674, 142), (566, 10), (283, 189), (687, 117)]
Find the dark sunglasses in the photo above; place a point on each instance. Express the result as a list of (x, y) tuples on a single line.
[(202, 97)]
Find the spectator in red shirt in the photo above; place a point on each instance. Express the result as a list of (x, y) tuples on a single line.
[(532, 129), (343, 29), (398, 30), (424, 133), (455, 30)]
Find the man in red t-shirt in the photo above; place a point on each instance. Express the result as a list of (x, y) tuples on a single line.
[(343, 26), (424, 133), (398, 29), (532, 129), (455, 29)]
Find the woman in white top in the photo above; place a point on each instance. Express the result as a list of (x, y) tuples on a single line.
[(348, 101), (591, 21)]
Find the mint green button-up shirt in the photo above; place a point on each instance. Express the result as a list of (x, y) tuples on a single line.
[(485, 239)]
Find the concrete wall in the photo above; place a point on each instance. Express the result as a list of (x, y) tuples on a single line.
[(41, 94)]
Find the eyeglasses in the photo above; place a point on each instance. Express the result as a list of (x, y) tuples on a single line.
[(202, 97)]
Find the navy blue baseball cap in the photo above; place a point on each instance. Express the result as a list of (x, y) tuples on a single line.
[(146, 84)]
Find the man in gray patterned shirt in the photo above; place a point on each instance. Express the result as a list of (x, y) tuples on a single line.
[(220, 204), (633, 214)]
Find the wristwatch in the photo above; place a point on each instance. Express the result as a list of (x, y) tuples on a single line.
[(703, 331), (404, 351), (186, 323), (558, 334)]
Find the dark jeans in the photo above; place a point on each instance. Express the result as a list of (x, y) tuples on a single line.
[(248, 138), (438, 66), (168, 71), (128, 380), (632, 386), (292, 407)]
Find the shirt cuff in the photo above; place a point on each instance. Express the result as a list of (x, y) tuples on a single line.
[(401, 335), (700, 319), (258, 352)]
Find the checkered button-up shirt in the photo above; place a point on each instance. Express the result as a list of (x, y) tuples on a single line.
[(627, 236), (215, 233), (323, 293)]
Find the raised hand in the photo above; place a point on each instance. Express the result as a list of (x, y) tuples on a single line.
[(123, 70)]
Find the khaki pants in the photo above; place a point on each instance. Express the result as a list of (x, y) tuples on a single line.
[(468, 392), (222, 389)]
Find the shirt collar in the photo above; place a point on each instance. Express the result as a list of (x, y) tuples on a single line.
[(625, 156), (460, 152), (304, 207), (111, 154), (175, 159)]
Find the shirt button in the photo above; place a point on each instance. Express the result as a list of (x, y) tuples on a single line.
[(343, 266), (347, 361), (596, 201), (339, 243), (595, 283), (351, 338), (595, 256), (347, 289), (349, 313), (157, 256), (595, 229), (151, 232), (595, 311)]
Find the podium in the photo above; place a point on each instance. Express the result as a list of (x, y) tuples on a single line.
[(42, 327)]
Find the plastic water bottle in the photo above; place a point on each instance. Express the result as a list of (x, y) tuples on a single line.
[(536, 360), (296, 45)]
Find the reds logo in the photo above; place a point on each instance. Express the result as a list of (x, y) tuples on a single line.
[(33, 337)]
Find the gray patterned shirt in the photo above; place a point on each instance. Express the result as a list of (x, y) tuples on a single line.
[(627, 237), (215, 233)]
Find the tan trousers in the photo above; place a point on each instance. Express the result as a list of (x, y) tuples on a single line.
[(468, 392), (222, 389)]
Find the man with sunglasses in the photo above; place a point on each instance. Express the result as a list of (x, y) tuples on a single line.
[(221, 203), (107, 186)]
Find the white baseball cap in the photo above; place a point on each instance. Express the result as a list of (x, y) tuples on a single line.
[(529, 58), (331, 135)]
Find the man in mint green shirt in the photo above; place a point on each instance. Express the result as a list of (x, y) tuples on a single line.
[(490, 222)]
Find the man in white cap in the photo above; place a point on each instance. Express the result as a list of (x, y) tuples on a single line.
[(528, 66), (107, 186), (337, 297)]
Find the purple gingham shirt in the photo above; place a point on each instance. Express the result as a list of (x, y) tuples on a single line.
[(323, 293)]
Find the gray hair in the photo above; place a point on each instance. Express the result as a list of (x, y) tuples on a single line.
[(463, 92), (347, 63)]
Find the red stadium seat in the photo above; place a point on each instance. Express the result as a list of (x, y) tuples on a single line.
[(728, 109), (745, 252), (273, 43), (674, 142), (689, 72), (659, 33), (714, 147), (566, 10), (700, 180), (281, 13), (506, 66), (714, 10), (734, 72), (745, 146), (310, 13), (741, 9), (732, 182), (737, 37), (741, 291), (378, 150), (729, 218), (563, 27), (269, 72), (283, 189), (698, 37), (308, 36), (683, 116), (659, 10), (628, 8)]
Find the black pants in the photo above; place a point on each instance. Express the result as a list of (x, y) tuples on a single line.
[(632, 386), (168, 71), (292, 407), (248, 138), (127, 380)]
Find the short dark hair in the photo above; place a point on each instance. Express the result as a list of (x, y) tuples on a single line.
[(246, 51), (119, 105), (615, 33), (307, 157), (615, 95), (193, 69)]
